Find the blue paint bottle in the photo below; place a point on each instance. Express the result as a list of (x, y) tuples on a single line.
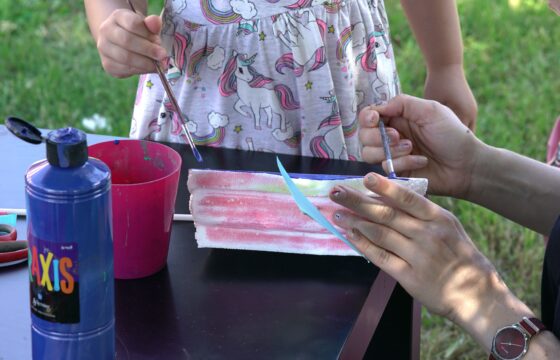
[(68, 198)]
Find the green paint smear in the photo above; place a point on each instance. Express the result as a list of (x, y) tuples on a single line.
[(310, 187)]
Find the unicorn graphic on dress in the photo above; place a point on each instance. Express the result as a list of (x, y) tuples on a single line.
[(355, 35), (171, 23), (251, 146), (172, 12), (331, 144), (216, 135), (168, 117), (330, 6), (241, 78), (377, 60), (298, 31), (177, 61), (240, 11)]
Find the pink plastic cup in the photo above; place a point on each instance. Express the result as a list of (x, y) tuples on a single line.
[(145, 176)]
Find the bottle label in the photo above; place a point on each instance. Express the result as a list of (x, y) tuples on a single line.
[(54, 285)]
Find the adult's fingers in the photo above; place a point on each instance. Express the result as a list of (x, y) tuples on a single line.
[(408, 107), (376, 154), (407, 163), (382, 258), (402, 198), (368, 117), (375, 211), (371, 136)]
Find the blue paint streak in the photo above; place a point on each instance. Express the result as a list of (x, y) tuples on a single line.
[(197, 155), (309, 209)]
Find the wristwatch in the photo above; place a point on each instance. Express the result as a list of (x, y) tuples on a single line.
[(512, 342)]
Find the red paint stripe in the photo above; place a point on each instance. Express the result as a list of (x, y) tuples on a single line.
[(257, 210), (280, 241)]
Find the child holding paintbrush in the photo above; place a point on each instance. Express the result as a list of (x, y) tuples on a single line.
[(287, 76)]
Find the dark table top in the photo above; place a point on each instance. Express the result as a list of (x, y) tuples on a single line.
[(229, 304)]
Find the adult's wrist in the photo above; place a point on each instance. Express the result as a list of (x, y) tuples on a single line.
[(496, 308), (482, 175)]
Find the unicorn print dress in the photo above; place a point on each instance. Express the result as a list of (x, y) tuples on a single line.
[(285, 76)]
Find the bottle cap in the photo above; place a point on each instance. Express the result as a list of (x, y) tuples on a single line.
[(67, 147), (24, 130)]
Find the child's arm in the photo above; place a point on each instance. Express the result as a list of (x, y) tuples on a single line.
[(435, 24), (127, 42)]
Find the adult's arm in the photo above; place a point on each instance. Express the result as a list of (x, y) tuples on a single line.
[(522, 189)]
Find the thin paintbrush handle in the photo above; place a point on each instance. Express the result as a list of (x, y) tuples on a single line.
[(174, 102), (131, 5), (23, 212), (171, 97), (387, 150)]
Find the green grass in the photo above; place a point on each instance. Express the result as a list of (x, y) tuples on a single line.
[(51, 75)]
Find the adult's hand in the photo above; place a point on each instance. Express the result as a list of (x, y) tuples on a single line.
[(426, 249), (128, 43), (439, 147), (420, 244)]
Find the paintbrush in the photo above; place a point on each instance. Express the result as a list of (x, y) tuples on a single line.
[(23, 212), (387, 150), (171, 96)]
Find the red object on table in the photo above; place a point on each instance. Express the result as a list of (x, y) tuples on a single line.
[(11, 251), (7, 233)]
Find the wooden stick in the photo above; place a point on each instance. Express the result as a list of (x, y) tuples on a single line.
[(18, 212), (182, 217), (23, 212)]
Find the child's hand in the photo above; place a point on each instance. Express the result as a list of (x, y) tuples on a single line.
[(449, 87), (128, 43)]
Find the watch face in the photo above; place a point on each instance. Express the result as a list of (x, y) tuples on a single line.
[(509, 343)]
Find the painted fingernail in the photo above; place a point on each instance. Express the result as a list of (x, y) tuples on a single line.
[(353, 233), (392, 133), (405, 144), (371, 179), (338, 192)]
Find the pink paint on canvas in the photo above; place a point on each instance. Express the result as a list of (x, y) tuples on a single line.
[(255, 211)]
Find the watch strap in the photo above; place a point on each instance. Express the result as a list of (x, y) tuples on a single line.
[(531, 325)]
